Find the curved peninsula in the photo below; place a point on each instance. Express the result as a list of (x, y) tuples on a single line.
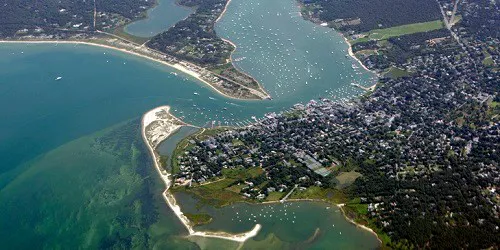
[(157, 125), (102, 24)]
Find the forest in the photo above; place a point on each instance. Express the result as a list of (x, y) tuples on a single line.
[(194, 39), (375, 14), (51, 16)]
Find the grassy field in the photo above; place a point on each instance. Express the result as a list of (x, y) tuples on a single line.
[(367, 52), (382, 34), (136, 39), (395, 73), (333, 196), (488, 61), (199, 219), (275, 196), (242, 173), (223, 191), (214, 194), (347, 178), (358, 212)]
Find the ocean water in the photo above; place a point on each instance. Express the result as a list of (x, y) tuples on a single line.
[(74, 172), (167, 147), (159, 18), (290, 56), (295, 225)]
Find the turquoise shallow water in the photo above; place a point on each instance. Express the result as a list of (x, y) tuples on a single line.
[(73, 169), (293, 223), (159, 19)]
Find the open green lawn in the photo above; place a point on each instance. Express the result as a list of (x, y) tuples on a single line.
[(394, 73), (242, 173), (237, 142), (382, 34), (275, 196), (199, 219), (222, 192), (367, 52), (347, 178), (213, 195), (488, 61), (318, 193), (136, 39)]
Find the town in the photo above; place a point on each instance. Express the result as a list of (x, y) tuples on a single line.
[(425, 143)]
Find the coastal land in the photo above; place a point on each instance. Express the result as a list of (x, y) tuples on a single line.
[(157, 125), (368, 155), (242, 185), (229, 82), (361, 35)]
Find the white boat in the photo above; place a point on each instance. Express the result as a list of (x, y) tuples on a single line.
[(195, 93), (58, 78)]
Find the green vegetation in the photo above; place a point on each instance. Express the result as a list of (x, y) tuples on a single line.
[(242, 173), (488, 60), (237, 142), (358, 213), (367, 52), (136, 39), (330, 195), (184, 144), (199, 219), (347, 178), (395, 72), (223, 191), (275, 196), (383, 34), (213, 194), (163, 161)]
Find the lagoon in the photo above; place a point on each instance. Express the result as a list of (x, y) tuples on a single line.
[(158, 19)]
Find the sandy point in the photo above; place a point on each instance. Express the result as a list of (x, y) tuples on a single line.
[(157, 125)]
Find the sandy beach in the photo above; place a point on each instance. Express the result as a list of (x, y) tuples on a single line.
[(177, 66), (235, 47), (349, 51), (340, 206), (223, 12), (162, 122)]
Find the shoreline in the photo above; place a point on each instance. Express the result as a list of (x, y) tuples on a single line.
[(261, 88), (165, 176), (357, 224), (177, 66), (223, 12), (172, 203), (322, 201), (349, 49), (338, 205)]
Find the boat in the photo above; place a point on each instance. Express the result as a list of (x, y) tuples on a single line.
[(58, 78), (196, 93)]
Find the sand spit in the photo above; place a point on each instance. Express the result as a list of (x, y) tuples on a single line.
[(157, 125)]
